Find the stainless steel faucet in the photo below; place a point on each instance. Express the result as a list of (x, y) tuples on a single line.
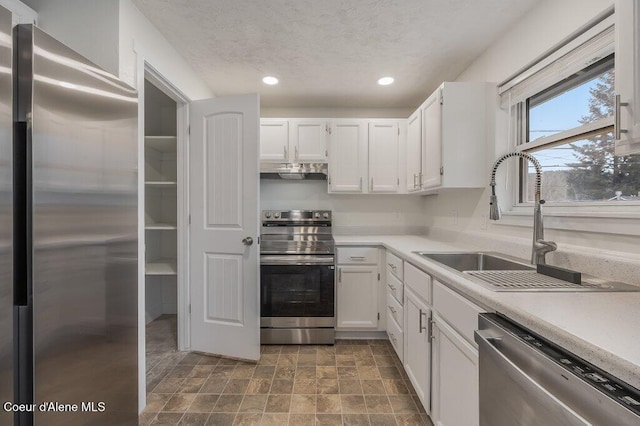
[(540, 246)]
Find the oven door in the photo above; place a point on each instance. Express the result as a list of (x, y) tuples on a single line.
[(297, 291)]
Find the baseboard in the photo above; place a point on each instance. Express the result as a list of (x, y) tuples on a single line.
[(361, 335)]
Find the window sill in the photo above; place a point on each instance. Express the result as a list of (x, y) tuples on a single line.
[(624, 221)]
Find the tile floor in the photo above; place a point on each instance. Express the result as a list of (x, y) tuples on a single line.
[(350, 383)]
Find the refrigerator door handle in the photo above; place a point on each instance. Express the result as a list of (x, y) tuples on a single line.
[(21, 213)]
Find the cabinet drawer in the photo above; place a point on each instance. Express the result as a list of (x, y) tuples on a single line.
[(394, 308), (395, 287), (456, 310), (394, 264), (396, 336), (357, 255), (418, 281)]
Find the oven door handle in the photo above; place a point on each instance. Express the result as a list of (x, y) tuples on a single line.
[(296, 260)]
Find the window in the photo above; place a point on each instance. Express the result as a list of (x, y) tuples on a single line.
[(569, 129), (561, 110)]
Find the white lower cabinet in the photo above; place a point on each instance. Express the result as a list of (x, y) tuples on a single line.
[(396, 335), (357, 297), (455, 377), (417, 359)]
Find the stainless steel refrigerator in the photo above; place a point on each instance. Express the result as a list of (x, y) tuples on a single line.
[(68, 234)]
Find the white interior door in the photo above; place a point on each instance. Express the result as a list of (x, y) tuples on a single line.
[(224, 204)]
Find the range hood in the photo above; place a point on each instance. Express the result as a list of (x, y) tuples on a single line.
[(293, 171)]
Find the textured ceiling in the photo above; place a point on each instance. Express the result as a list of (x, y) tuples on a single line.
[(330, 53)]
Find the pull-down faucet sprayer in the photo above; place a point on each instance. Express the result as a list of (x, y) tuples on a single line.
[(540, 247)]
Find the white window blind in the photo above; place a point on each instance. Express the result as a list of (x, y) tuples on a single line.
[(572, 56)]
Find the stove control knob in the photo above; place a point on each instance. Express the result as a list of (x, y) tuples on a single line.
[(267, 215), (325, 215), (316, 215), (276, 215)]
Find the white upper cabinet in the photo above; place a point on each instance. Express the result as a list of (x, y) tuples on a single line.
[(308, 141), (384, 146), (347, 156), (627, 83), (363, 155), (414, 152), (293, 140), (432, 169), (274, 140), (453, 140)]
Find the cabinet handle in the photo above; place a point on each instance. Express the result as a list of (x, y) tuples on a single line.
[(357, 257), (616, 118), (421, 327), (392, 309), (295, 150), (415, 183), (392, 266), (339, 275), (430, 331), (286, 154), (371, 184), (392, 287)]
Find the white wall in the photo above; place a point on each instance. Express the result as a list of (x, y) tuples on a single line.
[(90, 27), (20, 12), (543, 27), (140, 40), (352, 214), (141, 43)]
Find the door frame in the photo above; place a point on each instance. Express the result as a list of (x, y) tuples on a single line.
[(182, 141), (146, 71)]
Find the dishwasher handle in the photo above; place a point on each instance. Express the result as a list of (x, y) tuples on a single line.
[(531, 388)]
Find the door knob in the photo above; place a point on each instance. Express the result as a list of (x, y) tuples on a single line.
[(247, 241)]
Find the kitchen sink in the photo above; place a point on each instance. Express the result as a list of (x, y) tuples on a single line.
[(476, 261), (498, 272)]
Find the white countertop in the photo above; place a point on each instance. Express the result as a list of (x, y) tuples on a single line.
[(602, 328)]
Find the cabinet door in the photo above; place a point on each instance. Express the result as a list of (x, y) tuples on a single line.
[(455, 378), (417, 352), (274, 140), (357, 297), (432, 142), (383, 156), (414, 151), (309, 141), (628, 76), (347, 156)]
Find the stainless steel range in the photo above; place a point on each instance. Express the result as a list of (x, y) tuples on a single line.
[(297, 277)]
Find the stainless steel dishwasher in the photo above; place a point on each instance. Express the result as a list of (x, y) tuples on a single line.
[(527, 380)]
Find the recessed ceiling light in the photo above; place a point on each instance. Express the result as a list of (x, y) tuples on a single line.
[(270, 80), (385, 81)]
